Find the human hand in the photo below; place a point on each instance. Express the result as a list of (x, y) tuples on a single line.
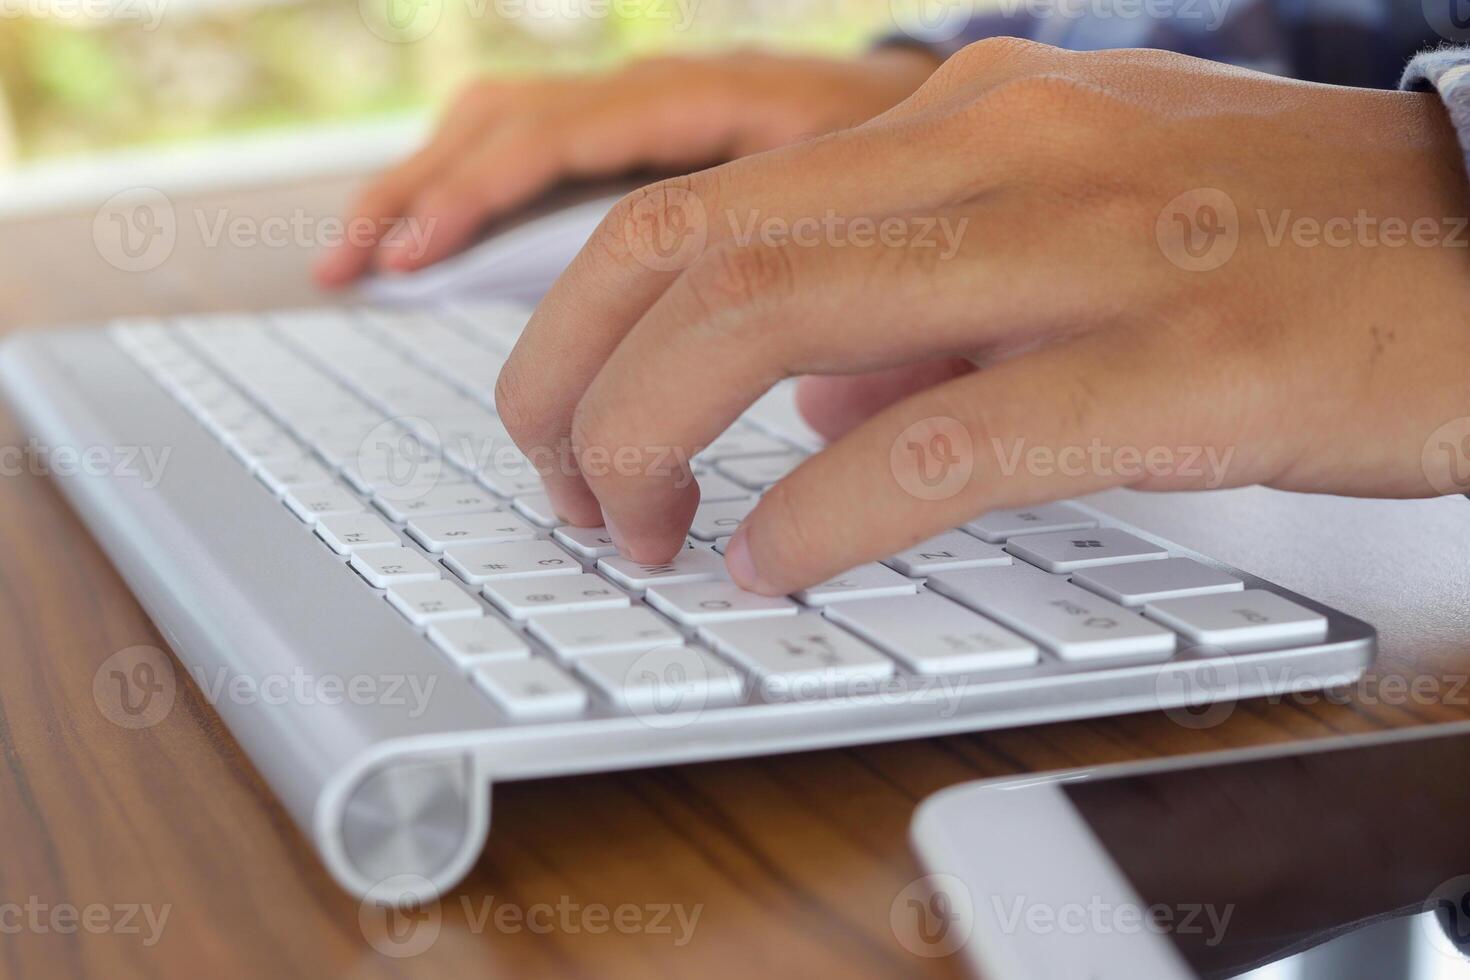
[(503, 142), (1082, 311)]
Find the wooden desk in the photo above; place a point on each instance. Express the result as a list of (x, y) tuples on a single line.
[(793, 862)]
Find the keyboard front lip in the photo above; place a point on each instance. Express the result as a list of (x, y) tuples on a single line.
[(74, 387)]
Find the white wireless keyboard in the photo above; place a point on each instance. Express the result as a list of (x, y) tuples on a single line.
[(341, 499)]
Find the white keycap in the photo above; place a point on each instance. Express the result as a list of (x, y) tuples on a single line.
[(439, 533), (929, 634), (537, 506), (690, 565), (281, 474), (759, 472), (719, 520), (947, 552), (317, 500), (481, 563), (1001, 525), (465, 498), (427, 602), (522, 597), (531, 688), (1138, 582), (383, 567), (868, 581), (714, 488), (1251, 620), (1073, 623), (388, 488), (348, 533), (800, 656), (742, 440), (470, 642), (604, 631), (698, 603), (664, 685), (589, 542), (1069, 551)]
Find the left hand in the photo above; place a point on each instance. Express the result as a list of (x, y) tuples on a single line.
[(1099, 256)]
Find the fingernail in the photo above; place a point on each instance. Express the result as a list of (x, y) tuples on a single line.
[(742, 565)]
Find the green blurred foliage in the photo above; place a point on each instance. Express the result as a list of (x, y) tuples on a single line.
[(162, 70)]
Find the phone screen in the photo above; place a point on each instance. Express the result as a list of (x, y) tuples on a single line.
[(1337, 865)]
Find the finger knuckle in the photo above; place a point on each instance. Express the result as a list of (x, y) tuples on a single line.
[(664, 208), (989, 55), (735, 278), (515, 405)]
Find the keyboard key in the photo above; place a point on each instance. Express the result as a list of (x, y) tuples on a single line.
[(929, 634), (481, 563), (1135, 583), (279, 474), (604, 631), (698, 603), (470, 642), (690, 565), (537, 506), (801, 656), (466, 498), (589, 542), (665, 686), (317, 500), (947, 552), (868, 581), (1001, 525), (714, 488), (521, 597), (1070, 551), (759, 472), (531, 688), (438, 533), (742, 440), (383, 567), (720, 520), (1073, 623), (1251, 620), (427, 602), (348, 533)]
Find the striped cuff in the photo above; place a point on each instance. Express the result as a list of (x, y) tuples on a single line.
[(1447, 72)]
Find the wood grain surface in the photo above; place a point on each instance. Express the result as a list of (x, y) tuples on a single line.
[(791, 864)]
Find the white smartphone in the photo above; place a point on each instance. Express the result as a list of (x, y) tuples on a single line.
[(1343, 859)]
